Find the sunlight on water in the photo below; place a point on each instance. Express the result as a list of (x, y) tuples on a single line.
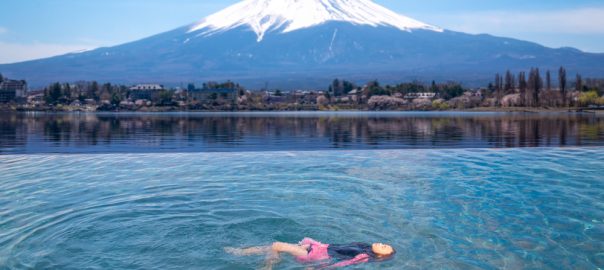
[(537, 208)]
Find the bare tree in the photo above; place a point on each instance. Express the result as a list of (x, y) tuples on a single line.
[(548, 81), (498, 90), (562, 84), (535, 83), (538, 87), (579, 84), (522, 85), (509, 82)]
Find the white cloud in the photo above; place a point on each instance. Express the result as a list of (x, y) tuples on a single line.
[(14, 52), (580, 27), (572, 21)]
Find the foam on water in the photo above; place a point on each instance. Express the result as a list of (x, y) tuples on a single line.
[(537, 208)]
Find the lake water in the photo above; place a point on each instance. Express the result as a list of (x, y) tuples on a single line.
[(448, 191), (236, 132)]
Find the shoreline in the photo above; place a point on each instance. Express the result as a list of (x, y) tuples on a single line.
[(159, 110)]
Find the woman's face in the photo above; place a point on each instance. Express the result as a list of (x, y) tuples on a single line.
[(382, 249)]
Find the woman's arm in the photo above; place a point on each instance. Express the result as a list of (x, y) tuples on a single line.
[(361, 258)]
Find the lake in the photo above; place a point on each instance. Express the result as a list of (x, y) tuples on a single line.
[(169, 191), (226, 132)]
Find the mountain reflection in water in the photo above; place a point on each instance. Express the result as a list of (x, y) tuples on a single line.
[(211, 132)]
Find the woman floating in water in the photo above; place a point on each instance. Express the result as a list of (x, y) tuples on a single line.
[(309, 251)]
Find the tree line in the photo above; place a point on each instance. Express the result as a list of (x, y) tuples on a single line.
[(65, 93), (447, 90), (533, 90)]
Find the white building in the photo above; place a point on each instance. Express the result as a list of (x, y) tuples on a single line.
[(12, 89), (147, 87), (424, 95), (144, 91)]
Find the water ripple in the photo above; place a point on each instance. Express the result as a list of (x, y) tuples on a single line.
[(539, 208)]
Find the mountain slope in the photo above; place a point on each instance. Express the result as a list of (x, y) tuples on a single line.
[(289, 52)]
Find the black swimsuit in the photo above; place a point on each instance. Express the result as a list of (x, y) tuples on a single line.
[(349, 251)]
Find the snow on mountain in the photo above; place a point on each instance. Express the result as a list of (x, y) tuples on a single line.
[(305, 44), (263, 16)]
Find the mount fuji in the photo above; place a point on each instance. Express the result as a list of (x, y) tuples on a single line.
[(303, 44)]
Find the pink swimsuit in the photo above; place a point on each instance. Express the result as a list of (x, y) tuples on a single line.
[(320, 252)]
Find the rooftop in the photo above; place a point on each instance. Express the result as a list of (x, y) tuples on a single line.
[(13, 85), (147, 87)]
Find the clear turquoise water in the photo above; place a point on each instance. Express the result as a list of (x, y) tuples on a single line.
[(530, 208)]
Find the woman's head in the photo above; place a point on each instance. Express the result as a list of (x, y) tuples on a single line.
[(382, 250)]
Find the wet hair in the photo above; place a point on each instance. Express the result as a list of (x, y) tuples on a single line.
[(382, 258)]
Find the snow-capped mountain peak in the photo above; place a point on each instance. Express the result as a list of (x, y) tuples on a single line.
[(263, 16)]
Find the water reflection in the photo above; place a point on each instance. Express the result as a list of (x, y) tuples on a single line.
[(83, 133)]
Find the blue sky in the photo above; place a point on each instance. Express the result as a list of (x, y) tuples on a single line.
[(31, 29)]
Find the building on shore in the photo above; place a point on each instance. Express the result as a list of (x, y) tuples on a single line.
[(12, 90), (145, 91), (424, 95)]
